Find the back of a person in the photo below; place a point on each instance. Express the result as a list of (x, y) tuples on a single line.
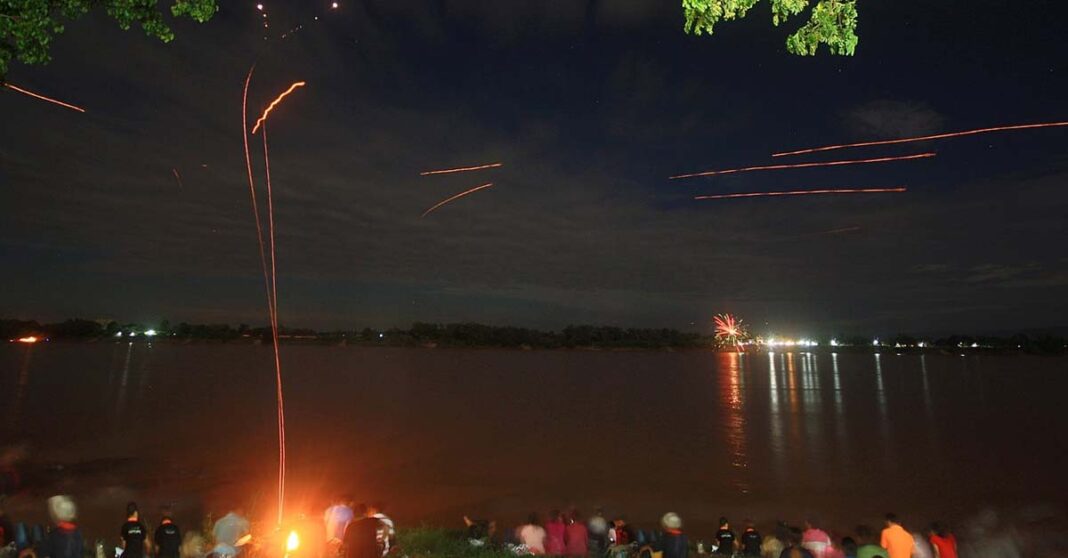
[(168, 539), (359, 540), (945, 545), (533, 537), (575, 539), (133, 535), (897, 542), (62, 542), (751, 540), (725, 541), (674, 545), (818, 542), (554, 537)]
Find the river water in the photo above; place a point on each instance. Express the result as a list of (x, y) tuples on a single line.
[(436, 434)]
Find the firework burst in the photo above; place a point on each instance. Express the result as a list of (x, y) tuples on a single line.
[(729, 330)]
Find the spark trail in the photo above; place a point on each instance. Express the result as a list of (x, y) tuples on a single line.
[(456, 197), (462, 169), (274, 103), (272, 309), (177, 177), (923, 138), (43, 98), (807, 165), (804, 193), (274, 333)]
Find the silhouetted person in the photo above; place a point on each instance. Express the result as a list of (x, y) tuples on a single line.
[(65, 540), (133, 533), (360, 539), (725, 538), (168, 538), (751, 539)]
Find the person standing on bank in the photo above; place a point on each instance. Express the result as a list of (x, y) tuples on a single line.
[(168, 538), (134, 534)]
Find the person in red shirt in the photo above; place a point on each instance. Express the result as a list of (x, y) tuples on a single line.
[(943, 541)]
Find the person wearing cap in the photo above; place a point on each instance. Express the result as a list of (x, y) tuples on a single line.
[(673, 542), (65, 541), (134, 534), (168, 538)]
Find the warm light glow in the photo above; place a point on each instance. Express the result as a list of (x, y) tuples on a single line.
[(462, 169), (292, 542), (43, 98), (29, 339), (275, 102), (803, 193), (259, 7), (807, 165), (922, 138), (456, 197), (334, 5)]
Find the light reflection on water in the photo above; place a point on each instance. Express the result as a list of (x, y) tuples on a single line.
[(428, 428)]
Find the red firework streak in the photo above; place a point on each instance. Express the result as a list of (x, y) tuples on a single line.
[(804, 193), (462, 169), (269, 282), (274, 103), (43, 98), (726, 325), (923, 138), (456, 197), (807, 165)]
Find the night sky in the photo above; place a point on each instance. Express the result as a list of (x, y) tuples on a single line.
[(590, 105)]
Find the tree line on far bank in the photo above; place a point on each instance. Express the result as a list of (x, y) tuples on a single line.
[(481, 335)]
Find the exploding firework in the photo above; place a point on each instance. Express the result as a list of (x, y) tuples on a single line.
[(274, 103), (803, 193), (807, 165), (456, 197), (462, 169), (729, 330), (43, 98), (923, 138)]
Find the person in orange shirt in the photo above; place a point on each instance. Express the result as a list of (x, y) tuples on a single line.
[(896, 540)]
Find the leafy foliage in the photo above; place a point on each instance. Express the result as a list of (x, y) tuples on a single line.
[(831, 22), (27, 27)]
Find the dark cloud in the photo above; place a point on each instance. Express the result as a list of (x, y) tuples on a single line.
[(886, 118), (589, 105)]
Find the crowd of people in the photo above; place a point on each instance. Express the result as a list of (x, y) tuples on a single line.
[(352, 530), (571, 535)]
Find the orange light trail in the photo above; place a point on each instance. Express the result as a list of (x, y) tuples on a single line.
[(807, 165), (456, 197), (804, 193), (462, 169), (28, 340), (269, 283), (274, 103), (43, 98), (274, 334), (923, 138)]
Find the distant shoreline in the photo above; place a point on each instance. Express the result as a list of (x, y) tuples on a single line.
[(327, 342)]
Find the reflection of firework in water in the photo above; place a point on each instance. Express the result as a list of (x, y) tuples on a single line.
[(729, 330)]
